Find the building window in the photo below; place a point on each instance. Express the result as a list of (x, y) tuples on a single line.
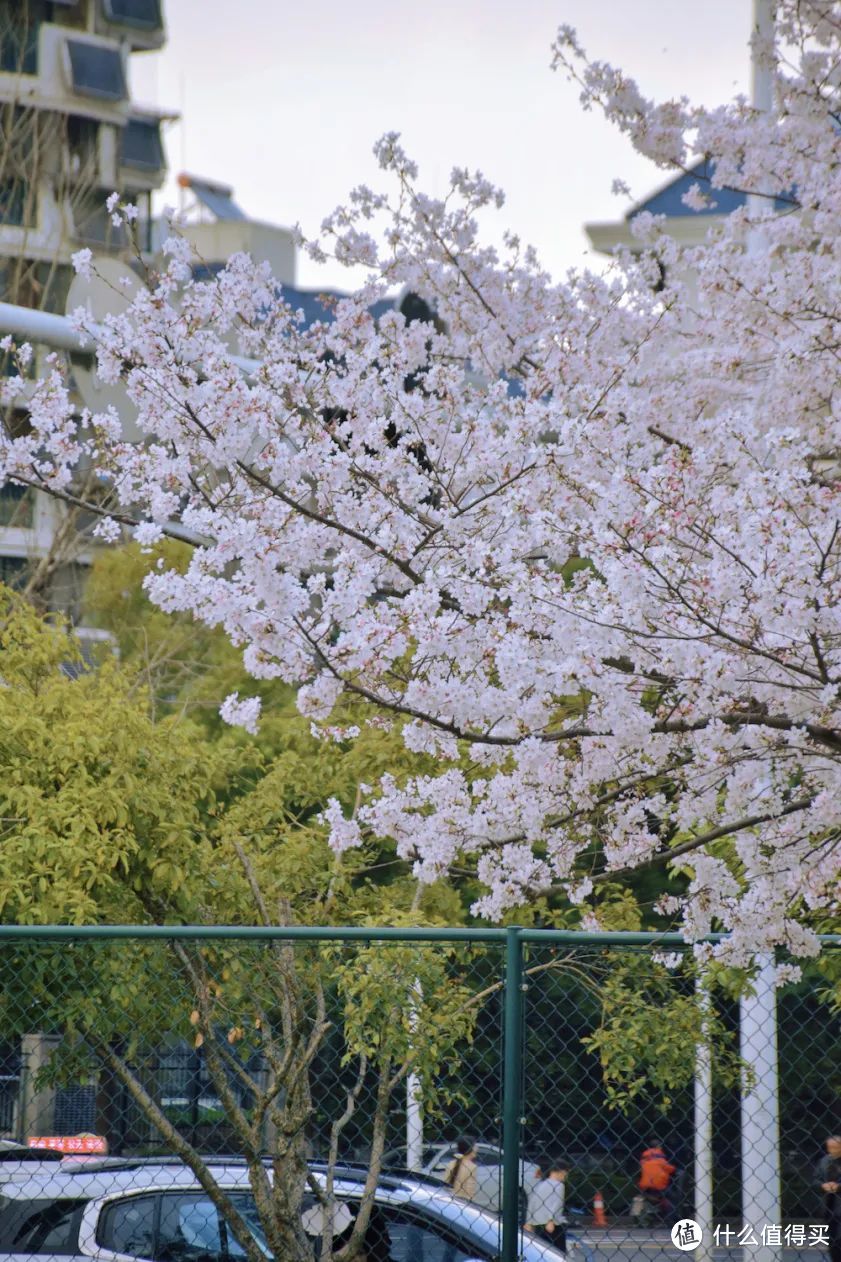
[(94, 226), (51, 284), (17, 506), (20, 25), (13, 201), (142, 13), (96, 70), (70, 13), (13, 571), (83, 147), (141, 145), (75, 1109), (93, 222)]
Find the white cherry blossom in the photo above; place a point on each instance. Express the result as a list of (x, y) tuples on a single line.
[(581, 538)]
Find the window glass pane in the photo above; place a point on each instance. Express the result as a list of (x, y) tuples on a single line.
[(397, 1237), (141, 145), (19, 37), (487, 1156), (129, 1227), (13, 198), (93, 222), (50, 1227), (245, 1205), (16, 505), (96, 70), (145, 13), (188, 1230), (13, 571)]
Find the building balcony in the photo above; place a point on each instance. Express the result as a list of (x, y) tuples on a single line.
[(139, 23), (74, 73)]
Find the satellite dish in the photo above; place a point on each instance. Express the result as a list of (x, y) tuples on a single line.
[(109, 290)]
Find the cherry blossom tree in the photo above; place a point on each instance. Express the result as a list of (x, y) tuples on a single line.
[(579, 540)]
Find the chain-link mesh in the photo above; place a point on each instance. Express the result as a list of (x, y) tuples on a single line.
[(210, 1100)]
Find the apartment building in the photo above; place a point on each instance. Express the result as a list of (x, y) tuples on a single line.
[(69, 135)]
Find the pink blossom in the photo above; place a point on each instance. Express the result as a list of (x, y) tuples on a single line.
[(580, 541)]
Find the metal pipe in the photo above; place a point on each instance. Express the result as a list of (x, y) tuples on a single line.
[(43, 327), (512, 1095), (363, 933), (761, 73), (306, 933), (48, 329)]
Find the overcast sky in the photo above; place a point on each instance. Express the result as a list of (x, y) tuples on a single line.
[(284, 101)]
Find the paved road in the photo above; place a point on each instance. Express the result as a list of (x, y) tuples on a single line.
[(633, 1244)]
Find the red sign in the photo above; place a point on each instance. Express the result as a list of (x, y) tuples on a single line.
[(70, 1143)]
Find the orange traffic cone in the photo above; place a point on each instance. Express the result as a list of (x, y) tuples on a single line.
[(599, 1217)]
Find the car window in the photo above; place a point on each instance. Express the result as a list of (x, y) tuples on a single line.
[(128, 1226), (244, 1203), (487, 1157), (42, 1227), (188, 1230), (394, 1236)]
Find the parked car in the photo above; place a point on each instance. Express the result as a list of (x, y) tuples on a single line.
[(122, 1210), (18, 1161), (435, 1159)]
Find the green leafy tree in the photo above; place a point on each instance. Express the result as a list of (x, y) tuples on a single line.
[(115, 810)]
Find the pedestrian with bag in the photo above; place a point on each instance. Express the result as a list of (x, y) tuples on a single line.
[(460, 1174), (545, 1212)]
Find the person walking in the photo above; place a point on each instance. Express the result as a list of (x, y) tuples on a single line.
[(545, 1211), (460, 1174), (829, 1174), (655, 1176)]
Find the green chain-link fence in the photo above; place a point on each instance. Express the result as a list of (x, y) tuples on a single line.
[(210, 1095)]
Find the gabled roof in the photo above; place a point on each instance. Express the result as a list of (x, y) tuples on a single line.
[(316, 304), (668, 200)]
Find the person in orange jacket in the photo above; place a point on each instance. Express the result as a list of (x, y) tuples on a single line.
[(655, 1176)]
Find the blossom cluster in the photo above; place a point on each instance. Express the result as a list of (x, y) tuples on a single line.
[(582, 539)]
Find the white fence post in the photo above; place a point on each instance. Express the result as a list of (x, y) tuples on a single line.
[(760, 1113), (414, 1099), (704, 1128)]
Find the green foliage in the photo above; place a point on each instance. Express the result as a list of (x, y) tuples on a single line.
[(403, 1005), (184, 666), (103, 813), (120, 808), (652, 1025)]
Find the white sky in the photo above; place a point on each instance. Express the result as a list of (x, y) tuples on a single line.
[(285, 100)]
